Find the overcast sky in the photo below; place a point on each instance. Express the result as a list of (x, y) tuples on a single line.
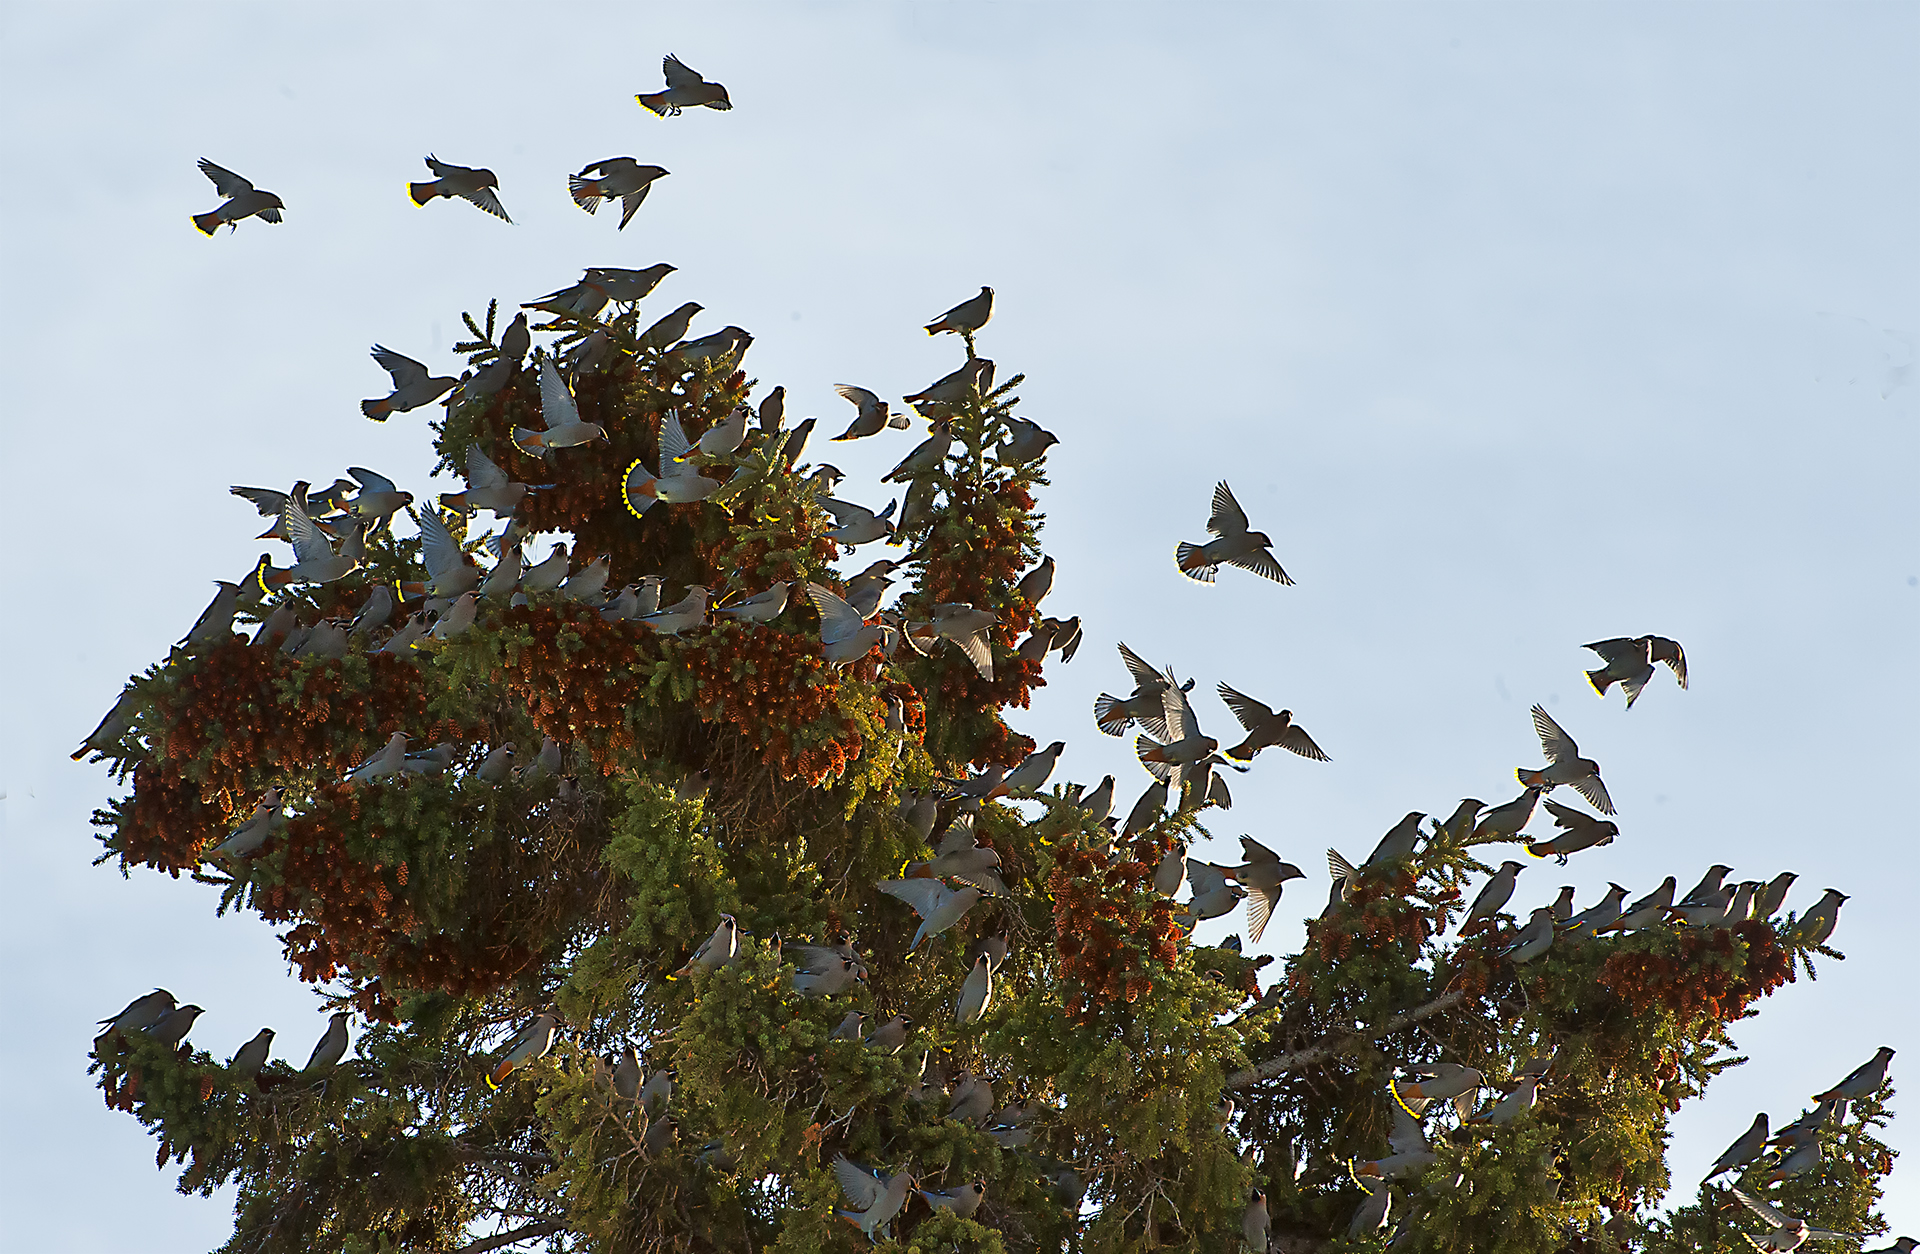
[(1516, 326)]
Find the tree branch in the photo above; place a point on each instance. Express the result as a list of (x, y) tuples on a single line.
[(541, 1228), (1341, 1042)]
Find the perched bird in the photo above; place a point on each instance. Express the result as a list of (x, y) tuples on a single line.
[(1817, 924), (875, 1200), (626, 1075), (1708, 887), (962, 1201), (1265, 728), (725, 343), (215, 623), (374, 611), (140, 1013), (856, 524), (971, 1100), (475, 186), (762, 607), (249, 1058), (679, 481), (1564, 765), (1784, 1231), (488, 487), (1457, 826), (243, 200), (845, 635), (1171, 871), (1031, 775), (938, 906), (1862, 1080), (1025, 441), (1255, 1224), (1768, 902), (497, 766), (890, 1036), (1532, 940), (1601, 914), (976, 993), (383, 765), (1399, 841), (685, 90), (1503, 822), (657, 1091), (458, 618), (589, 583), (796, 442), (1744, 1150), (1802, 1158), (926, 457), (250, 835), (870, 413), (1493, 896), (717, 950), (331, 1047), (1579, 831), (723, 437), (616, 176), (1148, 810), (966, 317), (1234, 544), (964, 384), (113, 725), (413, 385), (1644, 912), (171, 1028), (530, 1043), (1514, 1104), (1629, 662), (1562, 906), (560, 416), (1098, 804)]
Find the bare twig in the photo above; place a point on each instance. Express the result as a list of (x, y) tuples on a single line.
[(544, 1227), (1341, 1042)]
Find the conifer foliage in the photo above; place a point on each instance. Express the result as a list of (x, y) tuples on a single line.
[(690, 862)]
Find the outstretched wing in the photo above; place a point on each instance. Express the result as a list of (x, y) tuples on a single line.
[(958, 837), (1595, 792), (309, 544), (1670, 652), (1179, 712), (481, 472), (405, 370), (266, 500), (925, 896), (1262, 563), (1143, 674), (1618, 647), (679, 73), (1259, 910), (861, 1186), (1296, 741), (371, 482), (673, 441), (1565, 816), (1554, 742), (438, 549), (1772, 1215), (225, 181), (1205, 877), (1227, 519), (838, 620), (1251, 713), (556, 403), (485, 198)]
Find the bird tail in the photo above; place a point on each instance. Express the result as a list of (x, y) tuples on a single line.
[(1531, 779), (587, 193), (79, 753), (499, 1073), (1599, 681), (1542, 849), (1111, 723), (377, 409), (656, 103), (421, 193), (532, 443), (456, 501), (1194, 563), (207, 222), (935, 328)]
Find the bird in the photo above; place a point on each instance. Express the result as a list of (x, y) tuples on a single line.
[(1901, 1245), (1563, 904), (243, 200), (1493, 895), (725, 343), (1372, 1214), (926, 457), (960, 857), (1171, 871), (723, 437), (1185, 746), (530, 1043), (1399, 841), (845, 635), (964, 384), (890, 1036), (1564, 765), (117, 721), (1643, 912), (1784, 1231), (1708, 886), (1025, 441), (1817, 924), (315, 560), (971, 1100), (685, 90), (1256, 1224), (762, 607), (856, 524), (1148, 810), (1031, 775), (679, 481), (1098, 804), (717, 950), (1862, 1080), (966, 628), (560, 417), (1503, 822), (1265, 728), (875, 1200), (1579, 831), (1628, 660), (331, 1047), (1745, 1148), (249, 1058), (1439, 1082), (1145, 706), (413, 385), (253, 833), (1213, 897), (140, 1013), (497, 766), (1233, 545), (1599, 915), (171, 1028), (657, 1091), (379, 497), (1410, 1149), (488, 487), (589, 583), (1533, 939), (1263, 875), (475, 186), (966, 317), (215, 623), (976, 993), (938, 906), (1773, 896), (962, 1201), (1510, 1107), (870, 413), (616, 176)]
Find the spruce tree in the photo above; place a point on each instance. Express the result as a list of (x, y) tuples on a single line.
[(681, 864)]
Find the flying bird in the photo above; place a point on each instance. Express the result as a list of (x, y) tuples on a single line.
[(1564, 765), (1265, 727), (1629, 662), (871, 414), (561, 416), (1234, 544), (1145, 706), (685, 90), (1578, 831), (243, 200), (473, 185), (413, 385), (616, 176)]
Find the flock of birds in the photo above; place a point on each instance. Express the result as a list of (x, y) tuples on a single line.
[(327, 532)]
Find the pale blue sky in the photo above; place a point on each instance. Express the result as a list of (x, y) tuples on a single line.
[(1516, 326)]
